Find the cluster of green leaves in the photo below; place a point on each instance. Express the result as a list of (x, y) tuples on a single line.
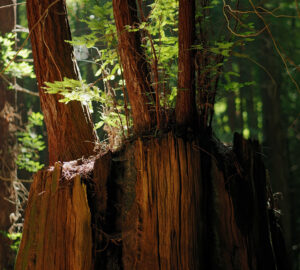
[(81, 91), (15, 238), (102, 38), (17, 68), (102, 44), (73, 90), (231, 84), (31, 143), (162, 26)]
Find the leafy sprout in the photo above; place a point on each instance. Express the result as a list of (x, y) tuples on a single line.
[(19, 68), (31, 144)]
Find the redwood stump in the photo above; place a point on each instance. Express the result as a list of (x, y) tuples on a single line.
[(57, 230), (158, 203)]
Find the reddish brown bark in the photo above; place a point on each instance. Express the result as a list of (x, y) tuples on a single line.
[(164, 203), (57, 232), (134, 66), (7, 144), (70, 129), (185, 104)]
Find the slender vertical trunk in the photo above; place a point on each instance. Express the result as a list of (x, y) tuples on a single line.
[(8, 168), (247, 95), (231, 111), (70, 129), (186, 111), (251, 112), (134, 65)]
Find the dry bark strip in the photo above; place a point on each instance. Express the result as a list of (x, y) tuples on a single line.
[(160, 203), (57, 231)]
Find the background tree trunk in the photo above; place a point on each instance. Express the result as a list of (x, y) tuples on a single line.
[(8, 170), (69, 127), (248, 95), (274, 136)]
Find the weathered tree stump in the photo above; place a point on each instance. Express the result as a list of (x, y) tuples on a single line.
[(159, 203), (57, 233)]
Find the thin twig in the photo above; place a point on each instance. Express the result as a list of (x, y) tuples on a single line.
[(24, 90), (275, 45), (13, 5), (18, 87), (10, 179), (274, 15), (263, 9), (232, 31)]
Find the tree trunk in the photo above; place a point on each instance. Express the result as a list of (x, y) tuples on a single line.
[(274, 136), (61, 239), (70, 129), (134, 65), (8, 170), (232, 111), (166, 203), (186, 112), (246, 94)]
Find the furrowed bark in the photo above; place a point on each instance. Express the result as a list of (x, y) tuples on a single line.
[(161, 203), (134, 66), (57, 230), (70, 129), (185, 105)]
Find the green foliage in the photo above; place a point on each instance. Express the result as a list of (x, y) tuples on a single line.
[(73, 90), (31, 144), (159, 35), (15, 238), (103, 38), (112, 113), (18, 68), (162, 27), (233, 85), (222, 48)]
